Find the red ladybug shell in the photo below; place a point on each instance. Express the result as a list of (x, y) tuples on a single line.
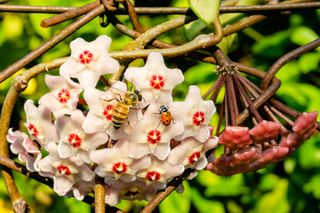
[(166, 118)]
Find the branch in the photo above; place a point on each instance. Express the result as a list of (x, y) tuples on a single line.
[(50, 43), (286, 58), (161, 10)]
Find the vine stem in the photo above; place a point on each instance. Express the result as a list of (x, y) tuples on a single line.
[(159, 10), (285, 59), (50, 43)]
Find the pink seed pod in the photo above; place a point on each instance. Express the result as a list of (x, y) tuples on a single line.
[(235, 137), (305, 124), (265, 131)]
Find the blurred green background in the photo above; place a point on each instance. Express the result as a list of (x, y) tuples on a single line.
[(292, 185)]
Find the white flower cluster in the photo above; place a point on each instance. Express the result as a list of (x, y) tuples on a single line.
[(136, 140)]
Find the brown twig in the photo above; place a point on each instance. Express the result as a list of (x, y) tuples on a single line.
[(72, 13), (50, 43), (99, 195), (286, 58), (162, 10)]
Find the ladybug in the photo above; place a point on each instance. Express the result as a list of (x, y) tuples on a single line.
[(166, 116)]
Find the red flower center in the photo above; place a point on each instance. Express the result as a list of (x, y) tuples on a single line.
[(63, 96), (107, 112), (154, 136), (74, 140), (33, 130), (86, 57), (153, 175), (64, 170), (157, 82), (194, 157), (119, 168), (198, 118)]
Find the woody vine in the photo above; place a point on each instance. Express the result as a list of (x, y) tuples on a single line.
[(254, 128)]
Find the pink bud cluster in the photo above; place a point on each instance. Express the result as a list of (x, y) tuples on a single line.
[(119, 136), (267, 142)]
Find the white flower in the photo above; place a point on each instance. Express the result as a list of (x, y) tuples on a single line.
[(155, 80), (64, 95), (159, 173), (39, 124), (28, 151), (151, 138), (101, 105), (74, 142), (88, 61), (65, 173), (114, 162), (191, 153), (137, 190), (195, 114)]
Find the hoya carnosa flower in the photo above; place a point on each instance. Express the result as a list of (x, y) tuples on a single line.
[(114, 162), (151, 137), (235, 137), (88, 61), (159, 173), (101, 105), (74, 142), (154, 80), (39, 124), (136, 190), (65, 174), (265, 131), (64, 95), (28, 151), (191, 153), (195, 113)]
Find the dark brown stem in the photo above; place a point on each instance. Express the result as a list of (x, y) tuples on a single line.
[(252, 109), (216, 92), (285, 59), (221, 113), (133, 16), (49, 44), (72, 13), (163, 10), (230, 100)]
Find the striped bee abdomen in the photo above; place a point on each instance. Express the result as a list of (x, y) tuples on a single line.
[(120, 114)]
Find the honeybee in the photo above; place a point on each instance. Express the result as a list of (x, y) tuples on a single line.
[(121, 110)]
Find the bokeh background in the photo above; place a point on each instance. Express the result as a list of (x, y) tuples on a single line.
[(292, 185)]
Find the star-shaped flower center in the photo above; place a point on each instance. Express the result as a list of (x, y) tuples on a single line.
[(119, 168), (154, 136), (194, 157), (74, 140), (153, 175), (107, 112), (86, 57), (63, 169), (33, 130), (64, 95), (198, 118), (157, 82)]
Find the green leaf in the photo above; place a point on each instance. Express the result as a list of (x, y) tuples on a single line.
[(303, 35), (313, 186), (309, 62), (309, 153), (221, 186), (203, 205), (206, 10), (276, 200), (195, 28), (177, 202)]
